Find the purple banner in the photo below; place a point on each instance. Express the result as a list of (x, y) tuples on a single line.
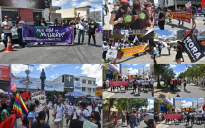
[(47, 34)]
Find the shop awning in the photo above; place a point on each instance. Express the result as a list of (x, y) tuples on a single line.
[(167, 101), (113, 68)]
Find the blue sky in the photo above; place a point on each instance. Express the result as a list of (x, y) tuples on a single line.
[(55, 70), (134, 67), (166, 33), (187, 102), (151, 103), (77, 3), (178, 68)]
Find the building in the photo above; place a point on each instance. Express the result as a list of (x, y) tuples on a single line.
[(164, 105), (144, 72), (84, 12), (178, 104), (96, 15), (68, 81), (111, 71), (156, 35), (4, 76), (197, 104), (98, 92), (125, 71)]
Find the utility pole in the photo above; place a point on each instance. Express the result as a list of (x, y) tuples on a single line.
[(27, 77)]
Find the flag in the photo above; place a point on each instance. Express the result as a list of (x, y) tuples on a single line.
[(129, 78), (171, 81), (193, 47), (25, 94), (204, 107), (188, 5), (202, 3), (19, 107), (13, 87)]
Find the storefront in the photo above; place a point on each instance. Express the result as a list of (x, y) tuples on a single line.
[(4, 76), (163, 105), (111, 71)]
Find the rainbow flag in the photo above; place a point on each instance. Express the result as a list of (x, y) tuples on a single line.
[(19, 107)]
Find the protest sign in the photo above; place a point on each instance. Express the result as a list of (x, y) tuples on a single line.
[(40, 95), (192, 47), (180, 15), (111, 54), (47, 34), (118, 83), (172, 116)]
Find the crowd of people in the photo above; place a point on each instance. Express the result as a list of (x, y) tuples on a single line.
[(142, 15), (134, 83), (89, 27), (189, 117), (62, 110)]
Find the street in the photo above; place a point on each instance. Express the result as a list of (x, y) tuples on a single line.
[(60, 53), (178, 125), (174, 24), (107, 26), (51, 123), (170, 59), (192, 92), (127, 94)]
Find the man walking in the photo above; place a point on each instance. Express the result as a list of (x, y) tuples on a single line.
[(81, 27), (161, 18)]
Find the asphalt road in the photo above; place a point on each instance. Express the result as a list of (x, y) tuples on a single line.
[(51, 123), (179, 125), (174, 25), (60, 53), (126, 94)]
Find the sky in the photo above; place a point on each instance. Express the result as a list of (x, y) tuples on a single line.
[(134, 67), (166, 33), (187, 102), (178, 68), (55, 70), (151, 103), (77, 3)]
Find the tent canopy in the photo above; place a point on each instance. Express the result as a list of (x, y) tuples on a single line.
[(78, 94), (149, 34), (97, 98)]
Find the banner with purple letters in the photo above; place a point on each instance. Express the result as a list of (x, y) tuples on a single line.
[(47, 34)]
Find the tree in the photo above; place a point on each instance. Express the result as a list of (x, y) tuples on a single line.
[(110, 103), (157, 71)]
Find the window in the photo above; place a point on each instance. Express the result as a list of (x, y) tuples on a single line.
[(89, 89), (94, 82), (89, 82), (83, 88), (84, 81), (93, 89), (77, 79)]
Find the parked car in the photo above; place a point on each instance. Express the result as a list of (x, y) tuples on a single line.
[(149, 119)]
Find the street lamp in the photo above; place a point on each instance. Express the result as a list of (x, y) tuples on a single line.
[(27, 73)]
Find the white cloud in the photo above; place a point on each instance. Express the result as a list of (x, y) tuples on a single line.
[(77, 67), (59, 2), (186, 104), (174, 34), (54, 76), (93, 70), (17, 68), (133, 71), (134, 64), (97, 8), (173, 65), (147, 65), (177, 74), (43, 66), (151, 101)]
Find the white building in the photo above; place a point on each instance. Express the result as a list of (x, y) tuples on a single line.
[(96, 15), (125, 71), (178, 103), (197, 103), (144, 72), (88, 84)]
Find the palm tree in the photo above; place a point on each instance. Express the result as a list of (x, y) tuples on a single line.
[(157, 71)]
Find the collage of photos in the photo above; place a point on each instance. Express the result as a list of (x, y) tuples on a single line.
[(102, 63)]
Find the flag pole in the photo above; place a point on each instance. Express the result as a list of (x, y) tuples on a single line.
[(9, 89)]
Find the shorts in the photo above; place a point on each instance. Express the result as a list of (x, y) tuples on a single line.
[(146, 86), (178, 56), (199, 118), (132, 124), (194, 16), (151, 85), (104, 54)]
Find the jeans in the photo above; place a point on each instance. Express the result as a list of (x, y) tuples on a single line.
[(89, 36), (93, 109), (138, 121), (184, 88), (192, 121), (99, 110), (81, 32), (6, 38), (47, 112), (20, 40), (139, 89), (15, 124), (74, 34), (161, 26)]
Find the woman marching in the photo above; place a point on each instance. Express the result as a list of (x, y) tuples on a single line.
[(60, 111)]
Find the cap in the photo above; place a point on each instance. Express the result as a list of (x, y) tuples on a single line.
[(159, 8), (6, 17)]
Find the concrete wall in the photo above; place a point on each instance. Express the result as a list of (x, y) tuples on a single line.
[(83, 12), (67, 13)]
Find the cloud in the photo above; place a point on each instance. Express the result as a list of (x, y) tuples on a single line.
[(177, 73), (97, 8), (133, 71), (174, 34), (44, 66), (77, 4), (54, 76), (134, 64), (77, 67), (93, 70), (17, 68), (173, 65), (151, 101), (59, 2), (186, 104), (147, 65)]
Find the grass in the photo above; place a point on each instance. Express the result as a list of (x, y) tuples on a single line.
[(163, 86)]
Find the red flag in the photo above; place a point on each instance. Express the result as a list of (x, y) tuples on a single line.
[(129, 78), (25, 94), (202, 3), (13, 87), (171, 81), (204, 107)]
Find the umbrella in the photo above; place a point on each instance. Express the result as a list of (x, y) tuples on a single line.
[(7, 93), (78, 94), (1, 91), (97, 98)]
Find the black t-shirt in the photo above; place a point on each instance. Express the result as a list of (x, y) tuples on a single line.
[(42, 23), (42, 125), (118, 14), (98, 123), (179, 52), (161, 15), (92, 27), (140, 22)]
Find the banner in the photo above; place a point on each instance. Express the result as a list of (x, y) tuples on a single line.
[(172, 116), (21, 83), (40, 95), (180, 15), (47, 34), (134, 50), (4, 72), (201, 34), (118, 83), (77, 86), (192, 47), (111, 54), (51, 86), (188, 5), (34, 4)]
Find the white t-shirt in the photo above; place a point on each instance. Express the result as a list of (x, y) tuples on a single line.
[(82, 25), (37, 111), (8, 24), (123, 45), (147, 82), (116, 44), (127, 45), (85, 112), (47, 106), (99, 105), (151, 81), (131, 44), (70, 109), (59, 111), (195, 114), (113, 47), (21, 23), (107, 82), (66, 103), (105, 47), (200, 114)]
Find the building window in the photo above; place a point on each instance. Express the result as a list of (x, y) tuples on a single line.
[(83, 88), (94, 82), (93, 89), (89, 89), (77, 79), (84, 81), (89, 82)]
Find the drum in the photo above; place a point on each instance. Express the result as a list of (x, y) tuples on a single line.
[(57, 120)]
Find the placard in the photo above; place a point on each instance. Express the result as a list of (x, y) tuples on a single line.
[(40, 95)]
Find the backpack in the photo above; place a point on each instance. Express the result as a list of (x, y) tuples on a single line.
[(132, 119), (25, 120)]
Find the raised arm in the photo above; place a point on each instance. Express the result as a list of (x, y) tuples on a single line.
[(37, 17)]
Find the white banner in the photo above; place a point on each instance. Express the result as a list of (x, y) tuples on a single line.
[(51, 86), (111, 54), (32, 83), (77, 86), (40, 95)]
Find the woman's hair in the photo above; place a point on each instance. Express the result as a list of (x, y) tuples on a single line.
[(83, 104), (96, 115), (148, 3), (75, 124), (32, 106), (139, 4), (126, 11), (3, 106), (41, 116)]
